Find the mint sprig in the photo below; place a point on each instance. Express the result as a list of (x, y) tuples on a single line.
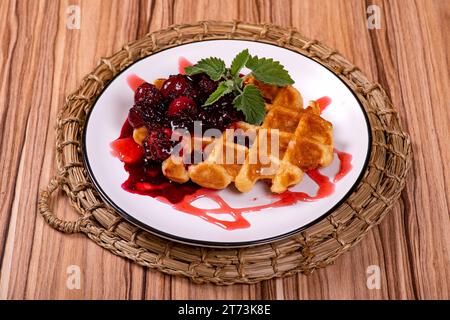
[(269, 71), (222, 89), (250, 102), (239, 62), (213, 67), (248, 98)]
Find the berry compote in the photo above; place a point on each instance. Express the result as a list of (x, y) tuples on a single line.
[(177, 104)]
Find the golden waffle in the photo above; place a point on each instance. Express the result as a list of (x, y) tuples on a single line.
[(305, 142), (310, 147), (279, 124), (223, 160), (175, 168)]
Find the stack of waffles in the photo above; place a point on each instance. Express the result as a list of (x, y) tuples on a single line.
[(290, 141)]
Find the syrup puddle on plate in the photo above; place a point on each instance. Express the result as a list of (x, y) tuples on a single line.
[(151, 182)]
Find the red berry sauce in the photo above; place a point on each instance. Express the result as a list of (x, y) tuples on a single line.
[(323, 102), (345, 164), (183, 63), (151, 182), (134, 81)]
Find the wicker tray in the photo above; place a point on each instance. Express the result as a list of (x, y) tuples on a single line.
[(315, 247)]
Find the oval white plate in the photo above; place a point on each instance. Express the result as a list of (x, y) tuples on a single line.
[(351, 135)]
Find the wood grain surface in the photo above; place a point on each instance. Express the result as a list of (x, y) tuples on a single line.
[(42, 61)]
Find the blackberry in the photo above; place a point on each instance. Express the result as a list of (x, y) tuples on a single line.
[(205, 86), (184, 120), (221, 114), (155, 116), (147, 95)]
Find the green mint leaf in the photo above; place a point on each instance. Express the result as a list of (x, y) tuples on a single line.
[(222, 89), (213, 67), (238, 81), (239, 62), (269, 71), (251, 103)]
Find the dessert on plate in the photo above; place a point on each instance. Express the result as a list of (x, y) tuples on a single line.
[(215, 126)]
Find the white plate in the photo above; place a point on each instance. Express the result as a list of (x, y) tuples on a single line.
[(351, 134)]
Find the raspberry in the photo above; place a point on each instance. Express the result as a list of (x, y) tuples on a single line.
[(157, 146), (178, 85), (147, 95), (181, 104)]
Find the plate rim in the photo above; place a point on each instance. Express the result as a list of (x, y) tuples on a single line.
[(218, 244)]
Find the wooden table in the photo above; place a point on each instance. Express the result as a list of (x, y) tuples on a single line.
[(42, 61)]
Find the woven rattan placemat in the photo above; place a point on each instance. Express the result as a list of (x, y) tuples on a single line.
[(313, 248)]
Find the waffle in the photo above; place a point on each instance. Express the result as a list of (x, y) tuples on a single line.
[(304, 142)]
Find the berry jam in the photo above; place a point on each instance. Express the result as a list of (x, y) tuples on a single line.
[(323, 102), (126, 131), (345, 164), (134, 81), (147, 180), (178, 104), (183, 63)]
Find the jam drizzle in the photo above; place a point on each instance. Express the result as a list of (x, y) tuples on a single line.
[(345, 164), (323, 103), (134, 81), (150, 181), (183, 63)]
